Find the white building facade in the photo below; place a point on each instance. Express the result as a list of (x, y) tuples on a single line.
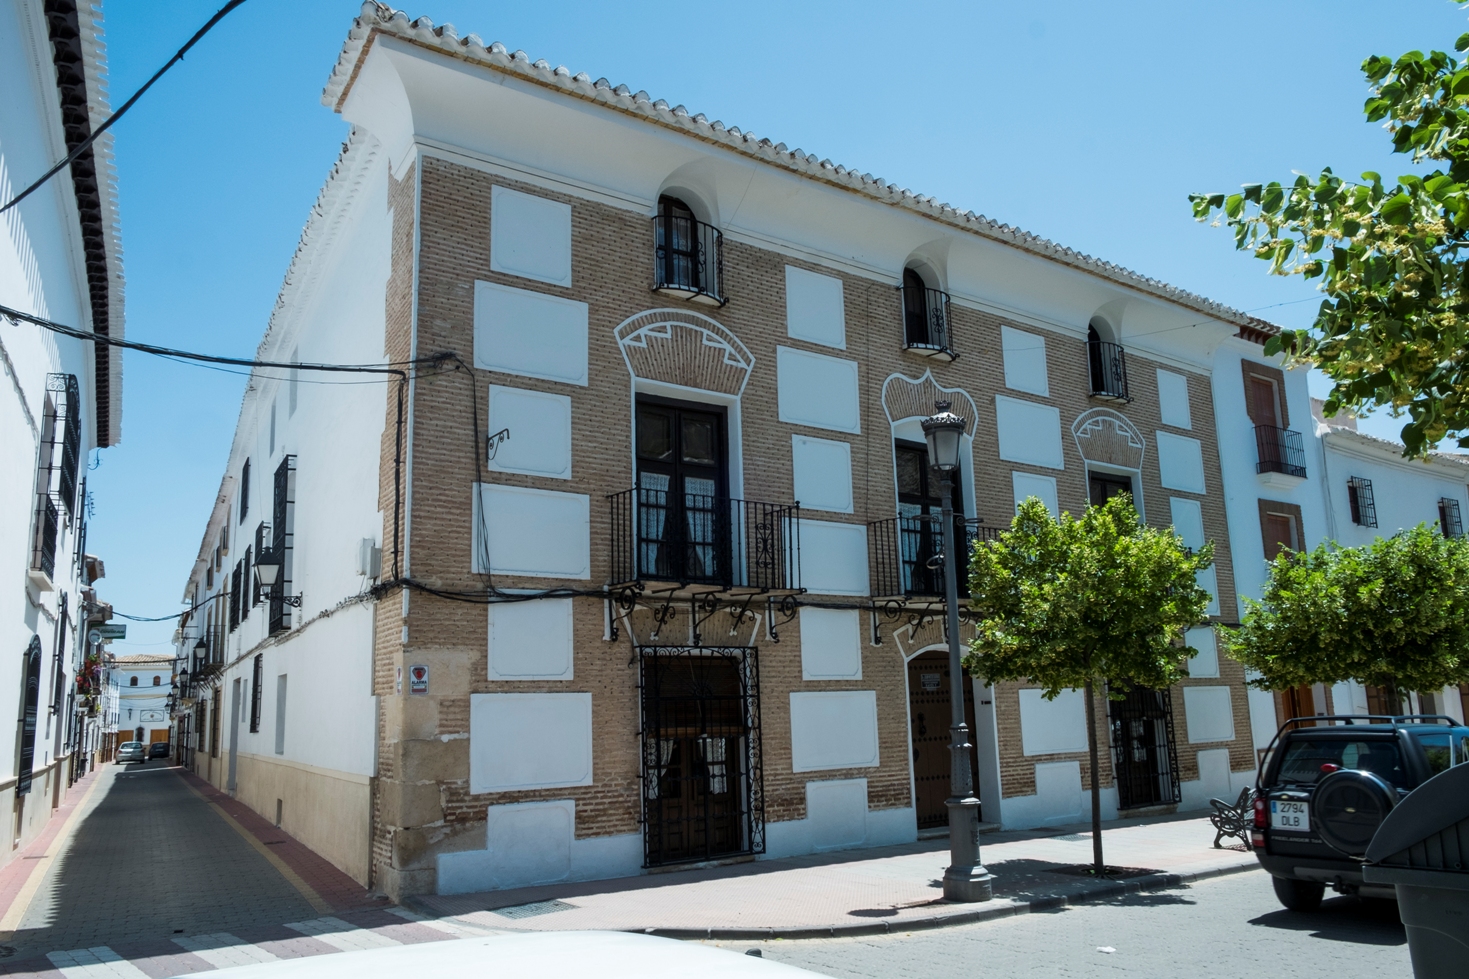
[(60, 259)]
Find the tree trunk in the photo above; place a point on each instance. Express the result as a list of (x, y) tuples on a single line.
[(1098, 868)]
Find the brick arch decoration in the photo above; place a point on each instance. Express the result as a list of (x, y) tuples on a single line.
[(909, 397), (1105, 436), (682, 347)]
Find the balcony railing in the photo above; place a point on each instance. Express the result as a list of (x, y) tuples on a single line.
[(716, 541), (926, 322), (1281, 451), (43, 554), (688, 259), (1108, 369), (901, 552)]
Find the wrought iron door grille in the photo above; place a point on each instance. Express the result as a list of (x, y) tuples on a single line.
[(1108, 369), (903, 554), (1450, 521), (1359, 498), (659, 535), (926, 320), (1281, 451), (702, 774), (1144, 755), (688, 258)]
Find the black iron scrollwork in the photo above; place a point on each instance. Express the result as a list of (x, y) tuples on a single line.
[(785, 607)]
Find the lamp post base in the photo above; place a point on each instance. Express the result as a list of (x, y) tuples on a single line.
[(965, 880), (968, 885)]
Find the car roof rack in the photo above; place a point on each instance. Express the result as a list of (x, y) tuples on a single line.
[(1345, 720)]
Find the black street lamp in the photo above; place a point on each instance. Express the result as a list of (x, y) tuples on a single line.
[(966, 879), (267, 573)]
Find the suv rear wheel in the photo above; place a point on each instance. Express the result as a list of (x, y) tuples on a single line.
[(1298, 895)]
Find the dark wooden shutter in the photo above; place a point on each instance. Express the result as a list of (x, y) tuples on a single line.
[(30, 697)]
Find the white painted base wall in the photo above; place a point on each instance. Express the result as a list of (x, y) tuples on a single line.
[(837, 818), (535, 843)]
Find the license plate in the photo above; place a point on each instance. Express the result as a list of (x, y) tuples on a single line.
[(1290, 816)]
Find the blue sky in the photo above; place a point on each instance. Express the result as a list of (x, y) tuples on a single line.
[(1087, 123)]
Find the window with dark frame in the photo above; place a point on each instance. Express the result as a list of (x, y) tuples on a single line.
[(282, 525), (244, 490), (1102, 486), (235, 598), (919, 502), (683, 491), (1450, 521), (257, 674), (1280, 534), (688, 254), (1361, 502)]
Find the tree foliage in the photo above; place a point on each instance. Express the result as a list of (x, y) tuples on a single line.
[(1393, 330), (1392, 614), (1100, 598)]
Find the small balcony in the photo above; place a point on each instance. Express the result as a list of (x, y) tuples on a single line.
[(43, 551), (704, 543), (1280, 451), (903, 555), (1108, 371), (688, 259), (926, 321)]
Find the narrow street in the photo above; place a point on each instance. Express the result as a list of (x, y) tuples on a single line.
[(160, 877)]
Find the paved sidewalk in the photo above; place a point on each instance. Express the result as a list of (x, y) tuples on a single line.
[(858, 892)]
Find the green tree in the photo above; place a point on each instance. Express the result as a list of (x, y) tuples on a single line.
[(1071, 603), (1393, 330), (1394, 614)]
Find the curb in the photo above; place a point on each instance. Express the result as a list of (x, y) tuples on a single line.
[(999, 909)]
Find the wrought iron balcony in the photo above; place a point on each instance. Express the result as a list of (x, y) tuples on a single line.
[(904, 555), (926, 322), (1281, 451), (712, 541), (43, 553), (688, 259), (1108, 370)]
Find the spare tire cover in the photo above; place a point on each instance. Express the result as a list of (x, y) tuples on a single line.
[(1348, 807)]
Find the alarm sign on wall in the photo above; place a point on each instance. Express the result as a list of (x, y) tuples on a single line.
[(418, 678)]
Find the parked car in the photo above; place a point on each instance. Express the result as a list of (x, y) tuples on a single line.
[(1325, 786), (530, 955), (158, 749), (130, 751)]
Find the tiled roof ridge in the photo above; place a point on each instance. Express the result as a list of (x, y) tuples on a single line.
[(379, 18), (1377, 441)]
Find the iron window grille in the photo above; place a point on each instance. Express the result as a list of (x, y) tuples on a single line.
[(48, 522), (1107, 369), (1280, 450), (925, 318), (1144, 752), (244, 490), (688, 255), (703, 783), (659, 535), (235, 597), (257, 674), (66, 394), (1449, 519), (1359, 499), (904, 554), (282, 524), (30, 699)]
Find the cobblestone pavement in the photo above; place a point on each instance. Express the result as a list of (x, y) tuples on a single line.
[(1225, 927), (163, 876)]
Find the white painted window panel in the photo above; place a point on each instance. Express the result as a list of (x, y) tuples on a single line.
[(837, 810), (1173, 399), (817, 390), (815, 310), (529, 333), (1029, 432), (1181, 462), (529, 741), (1025, 361), (1206, 664), (1210, 714), (1026, 485), (530, 236), (1188, 520), (833, 558), (1052, 727), (1208, 579), (531, 640), (540, 432), (1058, 788), (530, 842), (833, 729), (831, 644), (532, 532), (822, 473)]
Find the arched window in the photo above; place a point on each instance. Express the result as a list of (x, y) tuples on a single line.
[(157, 681), (132, 681), (1107, 364), (689, 254), (925, 316)]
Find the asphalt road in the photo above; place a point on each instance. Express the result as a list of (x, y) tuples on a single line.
[(1227, 927)]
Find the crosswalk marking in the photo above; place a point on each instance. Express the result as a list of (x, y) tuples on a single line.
[(448, 926), (223, 950), (100, 962), (339, 934)]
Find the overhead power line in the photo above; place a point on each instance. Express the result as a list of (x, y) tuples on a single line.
[(86, 144)]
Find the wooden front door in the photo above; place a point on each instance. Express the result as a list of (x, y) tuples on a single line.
[(1296, 702), (928, 714)]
